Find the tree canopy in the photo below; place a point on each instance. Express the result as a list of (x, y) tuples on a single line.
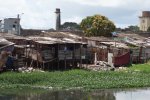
[(97, 25), (133, 28), (71, 26)]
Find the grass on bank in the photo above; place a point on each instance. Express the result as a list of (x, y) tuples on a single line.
[(79, 78), (140, 67)]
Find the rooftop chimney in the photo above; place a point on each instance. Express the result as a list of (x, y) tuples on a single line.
[(58, 19)]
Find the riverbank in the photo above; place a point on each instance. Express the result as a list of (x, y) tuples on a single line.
[(135, 76)]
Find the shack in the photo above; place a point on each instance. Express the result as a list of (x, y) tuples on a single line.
[(140, 49), (6, 48), (119, 52), (56, 53), (114, 52)]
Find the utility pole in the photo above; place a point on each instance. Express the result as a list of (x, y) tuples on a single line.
[(19, 26)]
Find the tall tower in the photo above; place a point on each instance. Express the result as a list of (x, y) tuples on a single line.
[(19, 27), (58, 19), (145, 20)]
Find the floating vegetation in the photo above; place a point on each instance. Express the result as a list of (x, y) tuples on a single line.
[(76, 78)]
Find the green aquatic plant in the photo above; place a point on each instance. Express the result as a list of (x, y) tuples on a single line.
[(76, 79)]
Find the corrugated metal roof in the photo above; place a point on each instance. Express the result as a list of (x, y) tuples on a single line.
[(61, 35), (116, 44), (45, 42), (5, 42), (48, 37), (49, 40), (99, 38), (10, 36)]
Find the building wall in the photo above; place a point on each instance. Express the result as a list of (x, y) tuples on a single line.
[(12, 25), (91, 43), (147, 52), (0, 26), (144, 23), (122, 60)]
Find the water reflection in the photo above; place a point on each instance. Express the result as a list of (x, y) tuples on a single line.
[(75, 95), (58, 95), (136, 94)]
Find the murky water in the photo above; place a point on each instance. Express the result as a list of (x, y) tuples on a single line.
[(35, 94)]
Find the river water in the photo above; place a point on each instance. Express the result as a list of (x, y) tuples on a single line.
[(36, 94)]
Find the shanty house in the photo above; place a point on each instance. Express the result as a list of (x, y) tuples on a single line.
[(62, 52), (107, 49)]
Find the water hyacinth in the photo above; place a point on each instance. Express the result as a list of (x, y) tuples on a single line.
[(77, 78)]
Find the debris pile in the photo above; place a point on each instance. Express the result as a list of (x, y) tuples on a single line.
[(29, 70), (121, 69), (100, 66)]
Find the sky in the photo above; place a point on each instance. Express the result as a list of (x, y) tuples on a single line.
[(39, 14)]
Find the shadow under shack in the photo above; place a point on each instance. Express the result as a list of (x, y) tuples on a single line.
[(48, 55)]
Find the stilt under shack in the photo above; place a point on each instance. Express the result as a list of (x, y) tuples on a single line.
[(65, 55), (58, 57)]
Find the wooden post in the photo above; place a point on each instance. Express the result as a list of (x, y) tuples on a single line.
[(52, 64), (26, 55), (32, 52), (80, 57), (31, 63), (74, 55), (65, 55), (48, 66), (97, 54), (86, 56), (140, 54), (37, 55), (43, 65), (58, 57)]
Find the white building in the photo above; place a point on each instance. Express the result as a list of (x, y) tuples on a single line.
[(1, 25), (145, 21), (10, 25)]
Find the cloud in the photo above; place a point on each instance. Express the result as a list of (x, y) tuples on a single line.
[(104, 3), (36, 13), (40, 13)]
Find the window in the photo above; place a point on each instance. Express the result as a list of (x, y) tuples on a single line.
[(14, 26), (143, 21)]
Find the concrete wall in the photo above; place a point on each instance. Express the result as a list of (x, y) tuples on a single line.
[(91, 43), (144, 23), (12, 25)]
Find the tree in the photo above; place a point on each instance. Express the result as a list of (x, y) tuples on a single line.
[(133, 28), (70, 26), (97, 25)]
